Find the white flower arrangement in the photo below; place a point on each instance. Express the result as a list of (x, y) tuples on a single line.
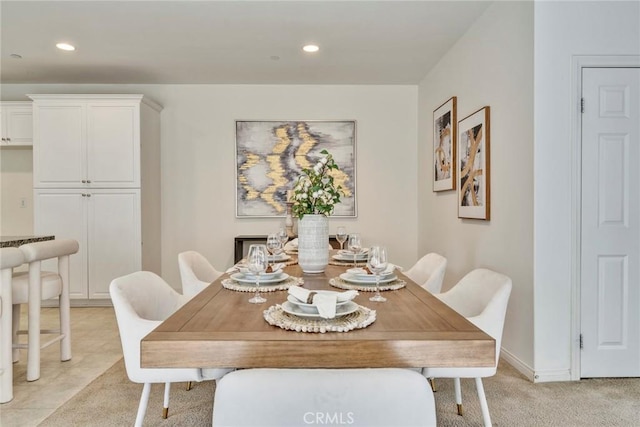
[(314, 191)]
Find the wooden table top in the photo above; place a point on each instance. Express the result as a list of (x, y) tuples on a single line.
[(220, 328)]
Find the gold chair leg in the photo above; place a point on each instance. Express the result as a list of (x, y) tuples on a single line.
[(432, 381), (459, 408), (165, 413), (189, 385)]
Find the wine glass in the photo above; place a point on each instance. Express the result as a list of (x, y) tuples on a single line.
[(273, 246), (355, 245), (257, 262), (341, 236), (377, 263), (283, 236)]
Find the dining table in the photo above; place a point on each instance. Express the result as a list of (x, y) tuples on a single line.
[(219, 328)]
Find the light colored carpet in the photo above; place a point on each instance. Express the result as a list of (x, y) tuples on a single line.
[(112, 400)]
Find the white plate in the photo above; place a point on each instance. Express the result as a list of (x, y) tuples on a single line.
[(342, 257), (281, 257), (366, 280), (343, 310), (310, 308), (239, 277), (250, 276), (362, 274)]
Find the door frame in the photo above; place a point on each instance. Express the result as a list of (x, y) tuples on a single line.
[(578, 62)]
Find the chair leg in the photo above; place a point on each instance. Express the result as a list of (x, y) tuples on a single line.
[(6, 369), (189, 385), (15, 325), (33, 350), (142, 407), (432, 381), (165, 406), (458, 390), (483, 403), (65, 309)]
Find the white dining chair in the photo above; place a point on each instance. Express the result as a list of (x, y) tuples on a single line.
[(482, 297), (298, 397), (196, 273), (141, 301), (9, 258), (35, 286), (429, 271)]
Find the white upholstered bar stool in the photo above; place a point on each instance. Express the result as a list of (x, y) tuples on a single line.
[(9, 258), (142, 300), (298, 397), (429, 271), (37, 285), (195, 272)]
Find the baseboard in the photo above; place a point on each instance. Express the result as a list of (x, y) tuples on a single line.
[(80, 303), (518, 364)]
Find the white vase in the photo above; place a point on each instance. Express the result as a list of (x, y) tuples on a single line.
[(313, 243)]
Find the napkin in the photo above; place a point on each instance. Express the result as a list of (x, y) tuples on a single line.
[(324, 302), (388, 270), (349, 253)]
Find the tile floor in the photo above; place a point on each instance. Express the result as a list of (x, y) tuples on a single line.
[(95, 348)]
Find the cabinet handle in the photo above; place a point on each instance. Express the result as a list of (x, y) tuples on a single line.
[(8, 139), (88, 195), (88, 181), (84, 181)]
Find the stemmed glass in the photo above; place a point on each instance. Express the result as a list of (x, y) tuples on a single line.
[(354, 244), (283, 236), (377, 263), (341, 235), (257, 262), (273, 246)]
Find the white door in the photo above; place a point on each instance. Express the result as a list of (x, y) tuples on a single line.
[(113, 145), (610, 253), (59, 150), (114, 238), (63, 213)]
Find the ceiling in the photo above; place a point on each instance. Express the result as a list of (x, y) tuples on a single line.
[(229, 42)]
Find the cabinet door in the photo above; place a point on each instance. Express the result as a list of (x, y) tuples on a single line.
[(19, 126), (114, 238), (63, 213), (113, 145), (58, 146)]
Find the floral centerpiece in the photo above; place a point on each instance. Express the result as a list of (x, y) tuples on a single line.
[(314, 197), (314, 191)]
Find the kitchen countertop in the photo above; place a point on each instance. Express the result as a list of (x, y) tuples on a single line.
[(15, 241)]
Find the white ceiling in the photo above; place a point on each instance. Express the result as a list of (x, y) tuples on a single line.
[(243, 42)]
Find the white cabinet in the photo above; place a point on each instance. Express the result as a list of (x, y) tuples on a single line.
[(86, 142), (96, 169), (106, 223), (16, 123)]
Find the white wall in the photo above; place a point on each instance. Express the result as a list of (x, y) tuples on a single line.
[(563, 30), (492, 64), (16, 183), (198, 159)]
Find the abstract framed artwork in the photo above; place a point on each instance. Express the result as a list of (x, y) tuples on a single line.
[(444, 146), (270, 155), (473, 165)]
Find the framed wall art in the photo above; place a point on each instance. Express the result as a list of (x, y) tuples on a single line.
[(270, 155), (444, 146), (473, 166)]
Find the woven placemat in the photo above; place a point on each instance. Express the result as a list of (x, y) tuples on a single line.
[(337, 282), (361, 263), (267, 287), (359, 319)]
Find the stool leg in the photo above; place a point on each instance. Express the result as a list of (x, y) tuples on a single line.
[(15, 325), (65, 309), (6, 378), (35, 293)]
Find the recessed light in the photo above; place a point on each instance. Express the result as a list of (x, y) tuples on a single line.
[(65, 46), (310, 48)]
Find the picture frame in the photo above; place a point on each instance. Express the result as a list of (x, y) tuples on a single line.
[(270, 155), (444, 145), (473, 165)]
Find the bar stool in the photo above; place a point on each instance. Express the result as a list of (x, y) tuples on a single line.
[(9, 258), (37, 285)]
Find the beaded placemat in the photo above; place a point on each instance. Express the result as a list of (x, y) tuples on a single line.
[(337, 282), (266, 287), (359, 319), (360, 263)]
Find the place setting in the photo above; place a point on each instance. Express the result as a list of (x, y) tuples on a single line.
[(355, 255), (377, 275), (260, 272), (319, 311)]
